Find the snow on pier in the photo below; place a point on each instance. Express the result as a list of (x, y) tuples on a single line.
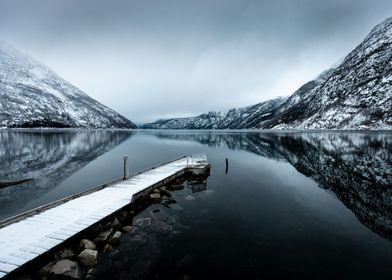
[(27, 238)]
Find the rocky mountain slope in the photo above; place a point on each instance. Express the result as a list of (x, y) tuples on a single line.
[(210, 120), (251, 116), (357, 94), (291, 109), (32, 95), (247, 117)]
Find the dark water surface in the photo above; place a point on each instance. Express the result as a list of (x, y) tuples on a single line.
[(293, 205)]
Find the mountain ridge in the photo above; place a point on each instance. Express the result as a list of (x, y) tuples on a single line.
[(236, 118), (355, 94), (33, 95)]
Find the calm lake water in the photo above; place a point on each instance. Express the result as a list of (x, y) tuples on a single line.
[(293, 205)]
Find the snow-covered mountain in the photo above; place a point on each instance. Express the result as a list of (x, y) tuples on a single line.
[(251, 116), (247, 117), (210, 120), (32, 95), (357, 94), (293, 108)]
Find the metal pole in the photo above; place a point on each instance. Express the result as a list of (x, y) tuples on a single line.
[(126, 171)]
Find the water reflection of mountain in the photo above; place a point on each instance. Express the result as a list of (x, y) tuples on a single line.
[(48, 158), (355, 166)]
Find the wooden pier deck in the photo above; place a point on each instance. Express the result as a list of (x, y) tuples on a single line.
[(29, 235)]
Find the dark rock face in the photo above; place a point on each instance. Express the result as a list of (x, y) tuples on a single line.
[(32, 95), (355, 166)]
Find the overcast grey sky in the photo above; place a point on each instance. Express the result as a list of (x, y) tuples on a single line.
[(151, 59)]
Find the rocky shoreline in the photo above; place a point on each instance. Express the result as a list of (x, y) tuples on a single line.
[(79, 257)]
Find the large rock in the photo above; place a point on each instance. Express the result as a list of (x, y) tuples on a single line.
[(165, 192), (63, 269), (88, 257), (87, 244), (155, 197)]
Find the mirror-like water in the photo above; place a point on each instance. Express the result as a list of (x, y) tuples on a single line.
[(294, 205)]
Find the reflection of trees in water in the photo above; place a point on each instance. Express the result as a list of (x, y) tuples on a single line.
[(48, 158), (355, 166)]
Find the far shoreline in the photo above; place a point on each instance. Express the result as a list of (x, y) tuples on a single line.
[(212, 131)]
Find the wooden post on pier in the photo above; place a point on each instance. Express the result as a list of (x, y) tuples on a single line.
[(126, 170)]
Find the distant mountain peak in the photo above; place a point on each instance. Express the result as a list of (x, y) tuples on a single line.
[(236, 118)]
